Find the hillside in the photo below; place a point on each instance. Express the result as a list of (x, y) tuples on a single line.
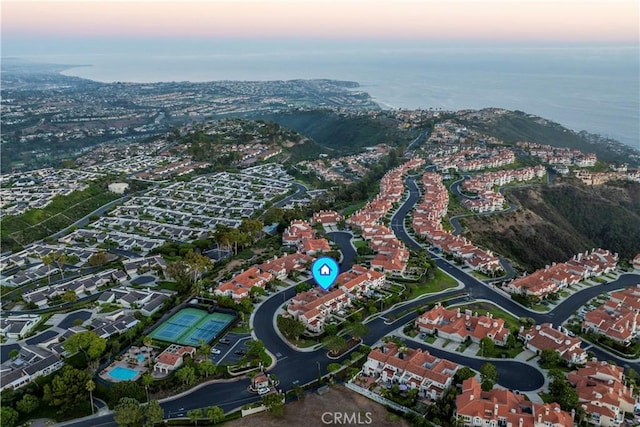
[(218, 142), (556, 222), (343, 133), (513, 126)]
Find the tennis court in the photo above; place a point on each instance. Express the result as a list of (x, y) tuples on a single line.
[(190, 325)]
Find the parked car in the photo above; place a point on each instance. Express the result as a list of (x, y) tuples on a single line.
[(240, 352), (224, 341), (215, 351), (263, 390)]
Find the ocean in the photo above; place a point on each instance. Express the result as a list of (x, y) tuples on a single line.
[(596, 89)]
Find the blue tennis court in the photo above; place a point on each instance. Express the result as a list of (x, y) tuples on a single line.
[(189, 326)]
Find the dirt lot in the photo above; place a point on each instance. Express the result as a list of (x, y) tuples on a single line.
[(309, 412)]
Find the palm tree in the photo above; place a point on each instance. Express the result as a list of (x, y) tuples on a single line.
[(90, 386), (215, 414), (203, 349), (147, 380), (334, 344), (357, 330), (194, 415), (47, 260)]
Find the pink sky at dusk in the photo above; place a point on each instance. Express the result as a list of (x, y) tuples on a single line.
[(545, 21)]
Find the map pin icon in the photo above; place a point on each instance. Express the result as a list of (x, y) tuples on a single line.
[(325, 272)]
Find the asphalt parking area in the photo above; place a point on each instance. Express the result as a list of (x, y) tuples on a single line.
[(227, 354)]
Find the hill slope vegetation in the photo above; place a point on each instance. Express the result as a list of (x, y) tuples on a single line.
[(556, 222)]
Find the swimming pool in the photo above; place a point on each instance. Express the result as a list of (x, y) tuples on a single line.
[(141, 358), (123, 374)]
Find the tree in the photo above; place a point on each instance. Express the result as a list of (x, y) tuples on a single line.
[(128, 412), (215, 414), (153, 414), (99, 258), (67, 389), (147, 380), (203, 349), (13, 354), (549, 358), (125, 389), (488, 376), (252, 228), (255, 349), (147, 341), (563, 392), (59, 259), (197, 264), (8, 417), (179, 271), (194, 415), (330, 329), (274, 403), (69, 296), (27, 404), (186, 375), (357, 329), (298, 391), (48, 261), (207, 368), (335, 344), (463, 373), (487, 346), (511, 341), (333, 367), (90, 386), (290, 327), (88, 342)]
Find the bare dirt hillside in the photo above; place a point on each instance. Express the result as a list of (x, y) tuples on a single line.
[(308, 412)]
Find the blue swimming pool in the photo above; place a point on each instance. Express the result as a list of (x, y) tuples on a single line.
[(141, 358), (123, 374)]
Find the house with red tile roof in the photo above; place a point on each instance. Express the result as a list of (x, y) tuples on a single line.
[(618, 318), (415, 368), (326, 218), (172, 358), (281, 267), (360, 281), (636, 262), (603, 393), (313, 307), (298, 231), (499, 407), (313, 247), (458, 326), (629, 297), (239, 287), (544, 336)]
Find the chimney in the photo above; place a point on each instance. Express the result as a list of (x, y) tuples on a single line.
[(539, 418), (546, 410), (520, 422), (495, 409)]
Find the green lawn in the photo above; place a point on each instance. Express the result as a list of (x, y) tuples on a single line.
[(360, 244), (498, 352), (430, 339), (108, 308), (352, 208), (479, 275), (171, 286), (440, 282)]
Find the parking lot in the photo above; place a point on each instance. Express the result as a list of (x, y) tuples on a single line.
[(228, 356)]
